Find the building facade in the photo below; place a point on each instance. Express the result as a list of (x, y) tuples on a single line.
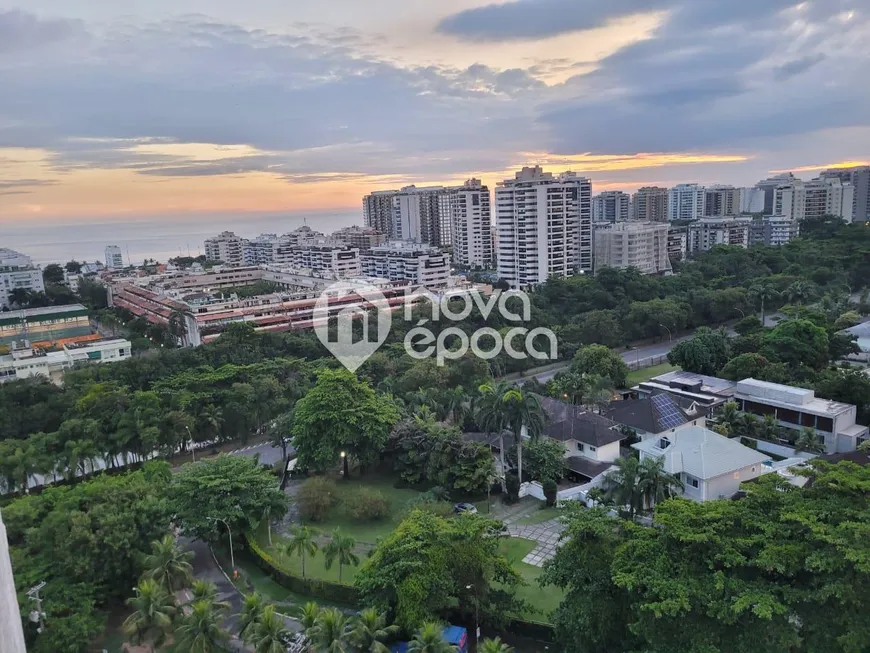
[(828, 197), (472, 225), (773, 230), (611, 206), (768, 189), (337, 260), (707, 233), (24, 362), (543, 226), (650, 204), (17, 272), (114, 257), (378, 211), (641, 245), (686, 202), (721, 201), (362, 238), (226, 247), (420, 265), (678, 242)]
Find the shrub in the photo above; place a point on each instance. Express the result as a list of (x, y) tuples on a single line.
[(550, 490), (512, 486), (429, 504), (316, 498), (366, 505)]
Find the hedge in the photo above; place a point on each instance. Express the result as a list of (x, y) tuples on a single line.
[(321, 589)]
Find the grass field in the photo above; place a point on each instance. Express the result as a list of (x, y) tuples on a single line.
[(543, 599), (647, 373), (539, 517)]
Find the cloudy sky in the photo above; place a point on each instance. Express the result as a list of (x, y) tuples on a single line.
[(165, 106)]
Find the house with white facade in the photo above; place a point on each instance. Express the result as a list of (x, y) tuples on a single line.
[(591, 441), (710, 465)]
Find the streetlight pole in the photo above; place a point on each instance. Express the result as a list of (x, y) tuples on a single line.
[(190, 435), (476, 619), (670, 338), (345, 470), (742, 314), (230, 533)]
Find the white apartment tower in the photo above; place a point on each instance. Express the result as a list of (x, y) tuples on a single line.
[(420, 265), (828, 197), (472, 225), (226, 247), (650, 204), (686, 202), (114, 257), (17, 272), (543, 226), (721, 201), (611, 206), (641, 245), (707, 233)]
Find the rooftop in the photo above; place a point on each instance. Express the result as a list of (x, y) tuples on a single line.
[(701, 453), (679, 380), (786, 395), (45, 310), (570, 422), (655, 414)]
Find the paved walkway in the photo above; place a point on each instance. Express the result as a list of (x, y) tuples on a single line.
[(545, 534)]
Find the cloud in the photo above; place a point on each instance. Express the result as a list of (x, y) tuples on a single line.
[(23, 186), (20, 31), (797, 66)]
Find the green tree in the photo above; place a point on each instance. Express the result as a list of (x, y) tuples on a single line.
[(656, 484), (252, 611), (810, 441), (205, 590), (153, 615), (341, 414), (52, 274), (302, 544), (340, 548), (763, 293), (200, 629), (603, 361), (235, 489), (545, 460), (429, 638), (431, 566), (169, 565), (797, 342), (494, 646), (370, 630), (308, 614), (330, 633), (490, 416), (270, 634), (623, 485), (705, 353), (745, 366)]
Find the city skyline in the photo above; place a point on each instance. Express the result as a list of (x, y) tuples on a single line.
[(159, 108)]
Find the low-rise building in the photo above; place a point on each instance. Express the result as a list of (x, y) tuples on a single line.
[(591, 441), (114, 257), (709, 465), (641, 245), (420, 265), (362, 238), (654, 415), (707, 233), (688, 388), (773, 230), (17, 272), (226, 247), (339, 260), (48, 324), (25, 361), (798, 408)]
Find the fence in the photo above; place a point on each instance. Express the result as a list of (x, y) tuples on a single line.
[(649, 361)]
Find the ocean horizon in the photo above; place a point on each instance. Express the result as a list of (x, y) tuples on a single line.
[(153, 237)]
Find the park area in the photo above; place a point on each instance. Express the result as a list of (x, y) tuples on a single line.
[(368, 509)]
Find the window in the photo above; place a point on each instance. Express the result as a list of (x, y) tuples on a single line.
[(579, 446), (591, 448), (690, 480)]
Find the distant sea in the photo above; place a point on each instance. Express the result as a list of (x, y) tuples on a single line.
[(161, 238)]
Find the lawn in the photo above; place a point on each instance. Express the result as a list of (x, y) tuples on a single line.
[(539, 517), (543, 599), (647, 373)]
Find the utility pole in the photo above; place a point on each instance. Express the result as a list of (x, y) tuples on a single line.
[(11, 630)]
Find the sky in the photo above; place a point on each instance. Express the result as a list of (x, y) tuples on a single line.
[(163, 107)]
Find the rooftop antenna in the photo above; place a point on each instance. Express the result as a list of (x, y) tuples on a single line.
[(129, 261)]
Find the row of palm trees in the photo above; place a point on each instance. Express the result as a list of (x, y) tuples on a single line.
[(340, 548), (730, 422), (639, 484), (328, 630)]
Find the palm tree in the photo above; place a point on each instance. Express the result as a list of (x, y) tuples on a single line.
[(270, 634), (798, 292), (490, 417), (729, 414), (762, 292), (340, 547), (494, 646), (748, 424), (656, 484), (623, 485), (455, 405), (809, 441), (169, 565), (308, 614), (330, 632), (204, 590), (370, 630), (430, 639), (200, 630), (212, 418), (252, 611), (153, 614), (302, 543), (768, 429)]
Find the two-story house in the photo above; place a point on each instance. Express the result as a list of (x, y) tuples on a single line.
[(654, 415), (710, 465)]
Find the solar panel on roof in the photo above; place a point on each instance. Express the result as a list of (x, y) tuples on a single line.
[(669, 414)]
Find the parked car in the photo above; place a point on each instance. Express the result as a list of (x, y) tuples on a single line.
[(465, 509)]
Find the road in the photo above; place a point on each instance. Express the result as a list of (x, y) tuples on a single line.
[(269, 455)]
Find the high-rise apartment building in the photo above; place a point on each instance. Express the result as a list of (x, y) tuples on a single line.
[(378, 211), (861, 194), (828, 197), (338, 260), (707, 233), (789, 200), (769, 186), (641, 245), (543, 226), (17, 272), (752, 200), (686, 202), (472, 225), (773, 230), (721, 201), (114, 257), (611, 206), (226, 247), (650, 204), (363, 238)]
